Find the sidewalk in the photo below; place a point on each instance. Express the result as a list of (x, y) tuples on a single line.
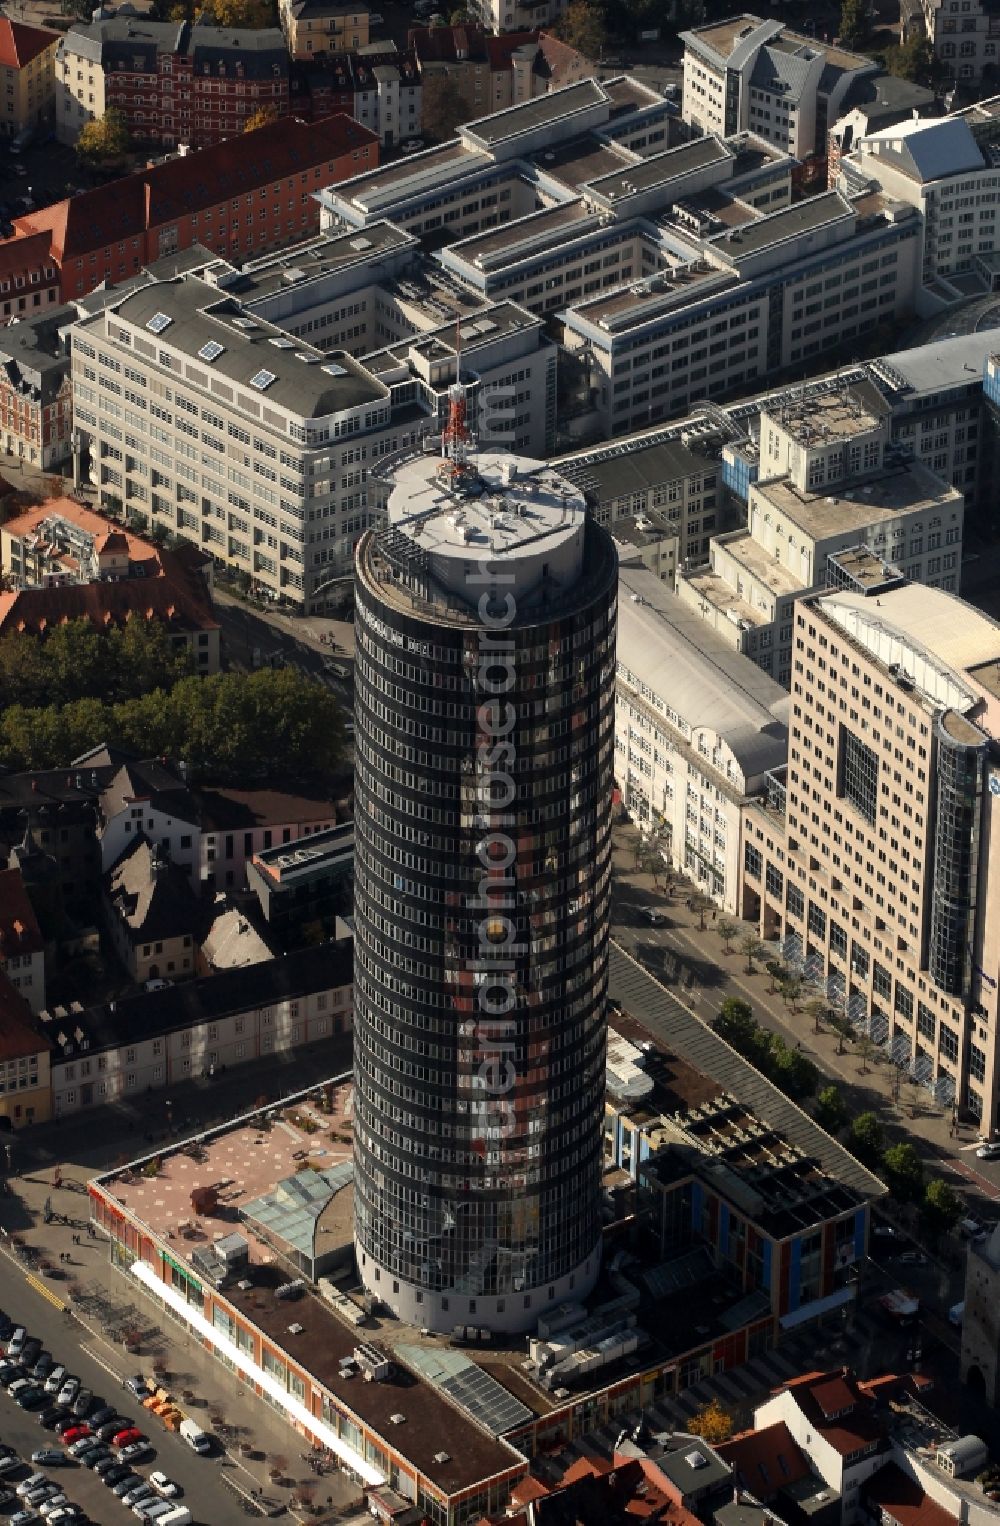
[(693, 962)]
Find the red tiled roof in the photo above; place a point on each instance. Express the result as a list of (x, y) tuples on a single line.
[(18, 1035), (123, 208), (23, 251), (834, 1398), (848, 1435), (766, 1460), (19, 44), (19, 930), (35, 610), (77, 514), (903, 1500), (442, 44)]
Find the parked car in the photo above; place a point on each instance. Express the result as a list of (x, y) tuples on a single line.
[(109, 1428), (31, 1397), (989, 1150), (67, 1423), (91, 1453), (135, 1451), (54, 1502), (43, 1366), (82, 1403), (50, 1415), (68, 1392), (142, 1491), (55, 1380), (121, 1488), (78, 1431), (31, 1352), (23, 1518), (165, 1486), (412, 145), (9, 1465), (115, 1473), (26, 1485), (48, 1457), (137, 1383)]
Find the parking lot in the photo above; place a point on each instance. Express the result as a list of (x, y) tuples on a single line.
[(199, 1479)]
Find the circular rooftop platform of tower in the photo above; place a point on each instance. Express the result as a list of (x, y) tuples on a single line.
[(501, 509)]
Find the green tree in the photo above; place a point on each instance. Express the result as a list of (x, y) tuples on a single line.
[(727, 931), (106, 138), (789, 1069), (831, 1111), (581, 26), (736, 1024), (444, 107), (701, 905), (916, 60), (865, 1049), (853, 23), (941, 1208), (817, 1008), (751, 948), (791, 989), (141, 655), (903, 1173), (776, 973), (866, 1140)]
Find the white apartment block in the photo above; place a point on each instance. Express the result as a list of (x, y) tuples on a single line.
[(388, 96), (964, 34), (875, 866), (697, 728), (953, 180), (150, 1042), (261, 447), (829, 479), (747, 74)]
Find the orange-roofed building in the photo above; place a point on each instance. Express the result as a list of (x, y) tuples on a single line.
[(22, 947), (834, 1422), (25, 1075), (27, 76), (898, 1500), (239, 198), (765, 1461), (61, 561)]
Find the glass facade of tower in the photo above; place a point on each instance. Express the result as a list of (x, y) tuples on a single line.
[(961, 760), (479, 1095)]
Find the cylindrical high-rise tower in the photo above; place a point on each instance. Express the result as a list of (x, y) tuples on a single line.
[(484, 737)]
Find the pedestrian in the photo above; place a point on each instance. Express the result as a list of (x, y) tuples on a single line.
[(714, 915)]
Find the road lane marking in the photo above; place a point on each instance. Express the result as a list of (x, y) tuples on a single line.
[(40, 1287)]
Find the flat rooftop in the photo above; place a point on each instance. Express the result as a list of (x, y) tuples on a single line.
[(720, 595), (661, 169), (436, 166), (542, 111), (610, 475), (881, 496), (723, 36), (582, 159), (790, 222), (310, 261), (652, 297), (520, 238), (825, 416), (534, 512)]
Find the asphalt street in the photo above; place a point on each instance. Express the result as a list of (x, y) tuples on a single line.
[(200, 1477)]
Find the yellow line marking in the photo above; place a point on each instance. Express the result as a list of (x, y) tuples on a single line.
[(40, 1287)]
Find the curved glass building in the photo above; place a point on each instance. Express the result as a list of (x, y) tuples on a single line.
[(484, 736)]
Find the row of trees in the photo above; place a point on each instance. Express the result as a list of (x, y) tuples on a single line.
[(903, 1171), (77, 661), (788, 1068), (238, 728)]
